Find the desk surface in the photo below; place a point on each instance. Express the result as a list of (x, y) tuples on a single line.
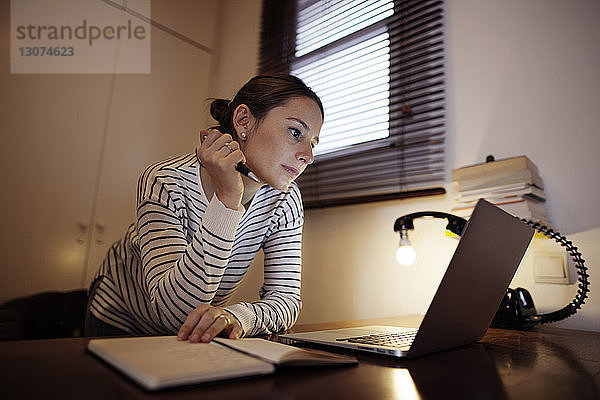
[(548, 363)]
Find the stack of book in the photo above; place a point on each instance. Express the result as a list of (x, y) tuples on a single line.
[(513, 184)]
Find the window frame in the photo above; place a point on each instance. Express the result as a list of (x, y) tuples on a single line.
[(420, 16)]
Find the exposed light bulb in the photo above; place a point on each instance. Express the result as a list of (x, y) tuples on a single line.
[(405, 255)]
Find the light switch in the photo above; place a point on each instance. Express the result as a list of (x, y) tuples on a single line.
[(550, 267)]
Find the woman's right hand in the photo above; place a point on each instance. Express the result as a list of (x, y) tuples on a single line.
[(220, 154)]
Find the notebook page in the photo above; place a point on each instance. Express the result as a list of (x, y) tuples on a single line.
[(160, 361), (282, 354)]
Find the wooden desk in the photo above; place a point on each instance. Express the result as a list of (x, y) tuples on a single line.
[(549, 363)]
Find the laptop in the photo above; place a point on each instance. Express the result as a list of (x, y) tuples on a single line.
[(484, 262)]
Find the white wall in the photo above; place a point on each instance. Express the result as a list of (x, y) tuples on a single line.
[(237, 44), (523, 80)]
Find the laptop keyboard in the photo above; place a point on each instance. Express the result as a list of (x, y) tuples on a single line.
[(397, 340)]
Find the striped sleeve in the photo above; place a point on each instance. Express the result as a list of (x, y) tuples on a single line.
[(180, 275), (280, 302)]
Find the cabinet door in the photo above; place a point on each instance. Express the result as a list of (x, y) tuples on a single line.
[(51, 129)]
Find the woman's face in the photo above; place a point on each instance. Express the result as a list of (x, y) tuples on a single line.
[(279, 147)]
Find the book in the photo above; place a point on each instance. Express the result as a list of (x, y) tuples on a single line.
[(284, 355), (523, 208), (157, 362), (518, 206), (501, 178), (503, 165), (497, 193), (500, 172), (513, 184)]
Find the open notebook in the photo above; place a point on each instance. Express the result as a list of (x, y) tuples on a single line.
[(157, 362)]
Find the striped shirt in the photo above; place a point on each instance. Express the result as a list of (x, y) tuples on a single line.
[(185, 250)]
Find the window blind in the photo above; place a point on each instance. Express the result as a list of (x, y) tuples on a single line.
[(378, 66)]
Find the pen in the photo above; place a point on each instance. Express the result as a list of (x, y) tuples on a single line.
[(243, 168)]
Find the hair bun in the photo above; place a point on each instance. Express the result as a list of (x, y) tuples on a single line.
[(218, 108)]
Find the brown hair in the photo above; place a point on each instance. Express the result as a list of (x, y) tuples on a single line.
[(261, 94)]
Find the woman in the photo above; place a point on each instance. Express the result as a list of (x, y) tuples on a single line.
[(200, 223)]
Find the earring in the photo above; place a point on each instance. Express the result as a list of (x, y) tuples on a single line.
[(243, 135)]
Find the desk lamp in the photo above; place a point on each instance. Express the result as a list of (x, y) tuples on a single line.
[(517, 309), (406, 254)]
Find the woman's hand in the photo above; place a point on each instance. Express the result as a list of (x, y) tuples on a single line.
[(206, 322), (220, 154)]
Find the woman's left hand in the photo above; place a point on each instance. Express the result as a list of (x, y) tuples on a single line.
[(205, 322)]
